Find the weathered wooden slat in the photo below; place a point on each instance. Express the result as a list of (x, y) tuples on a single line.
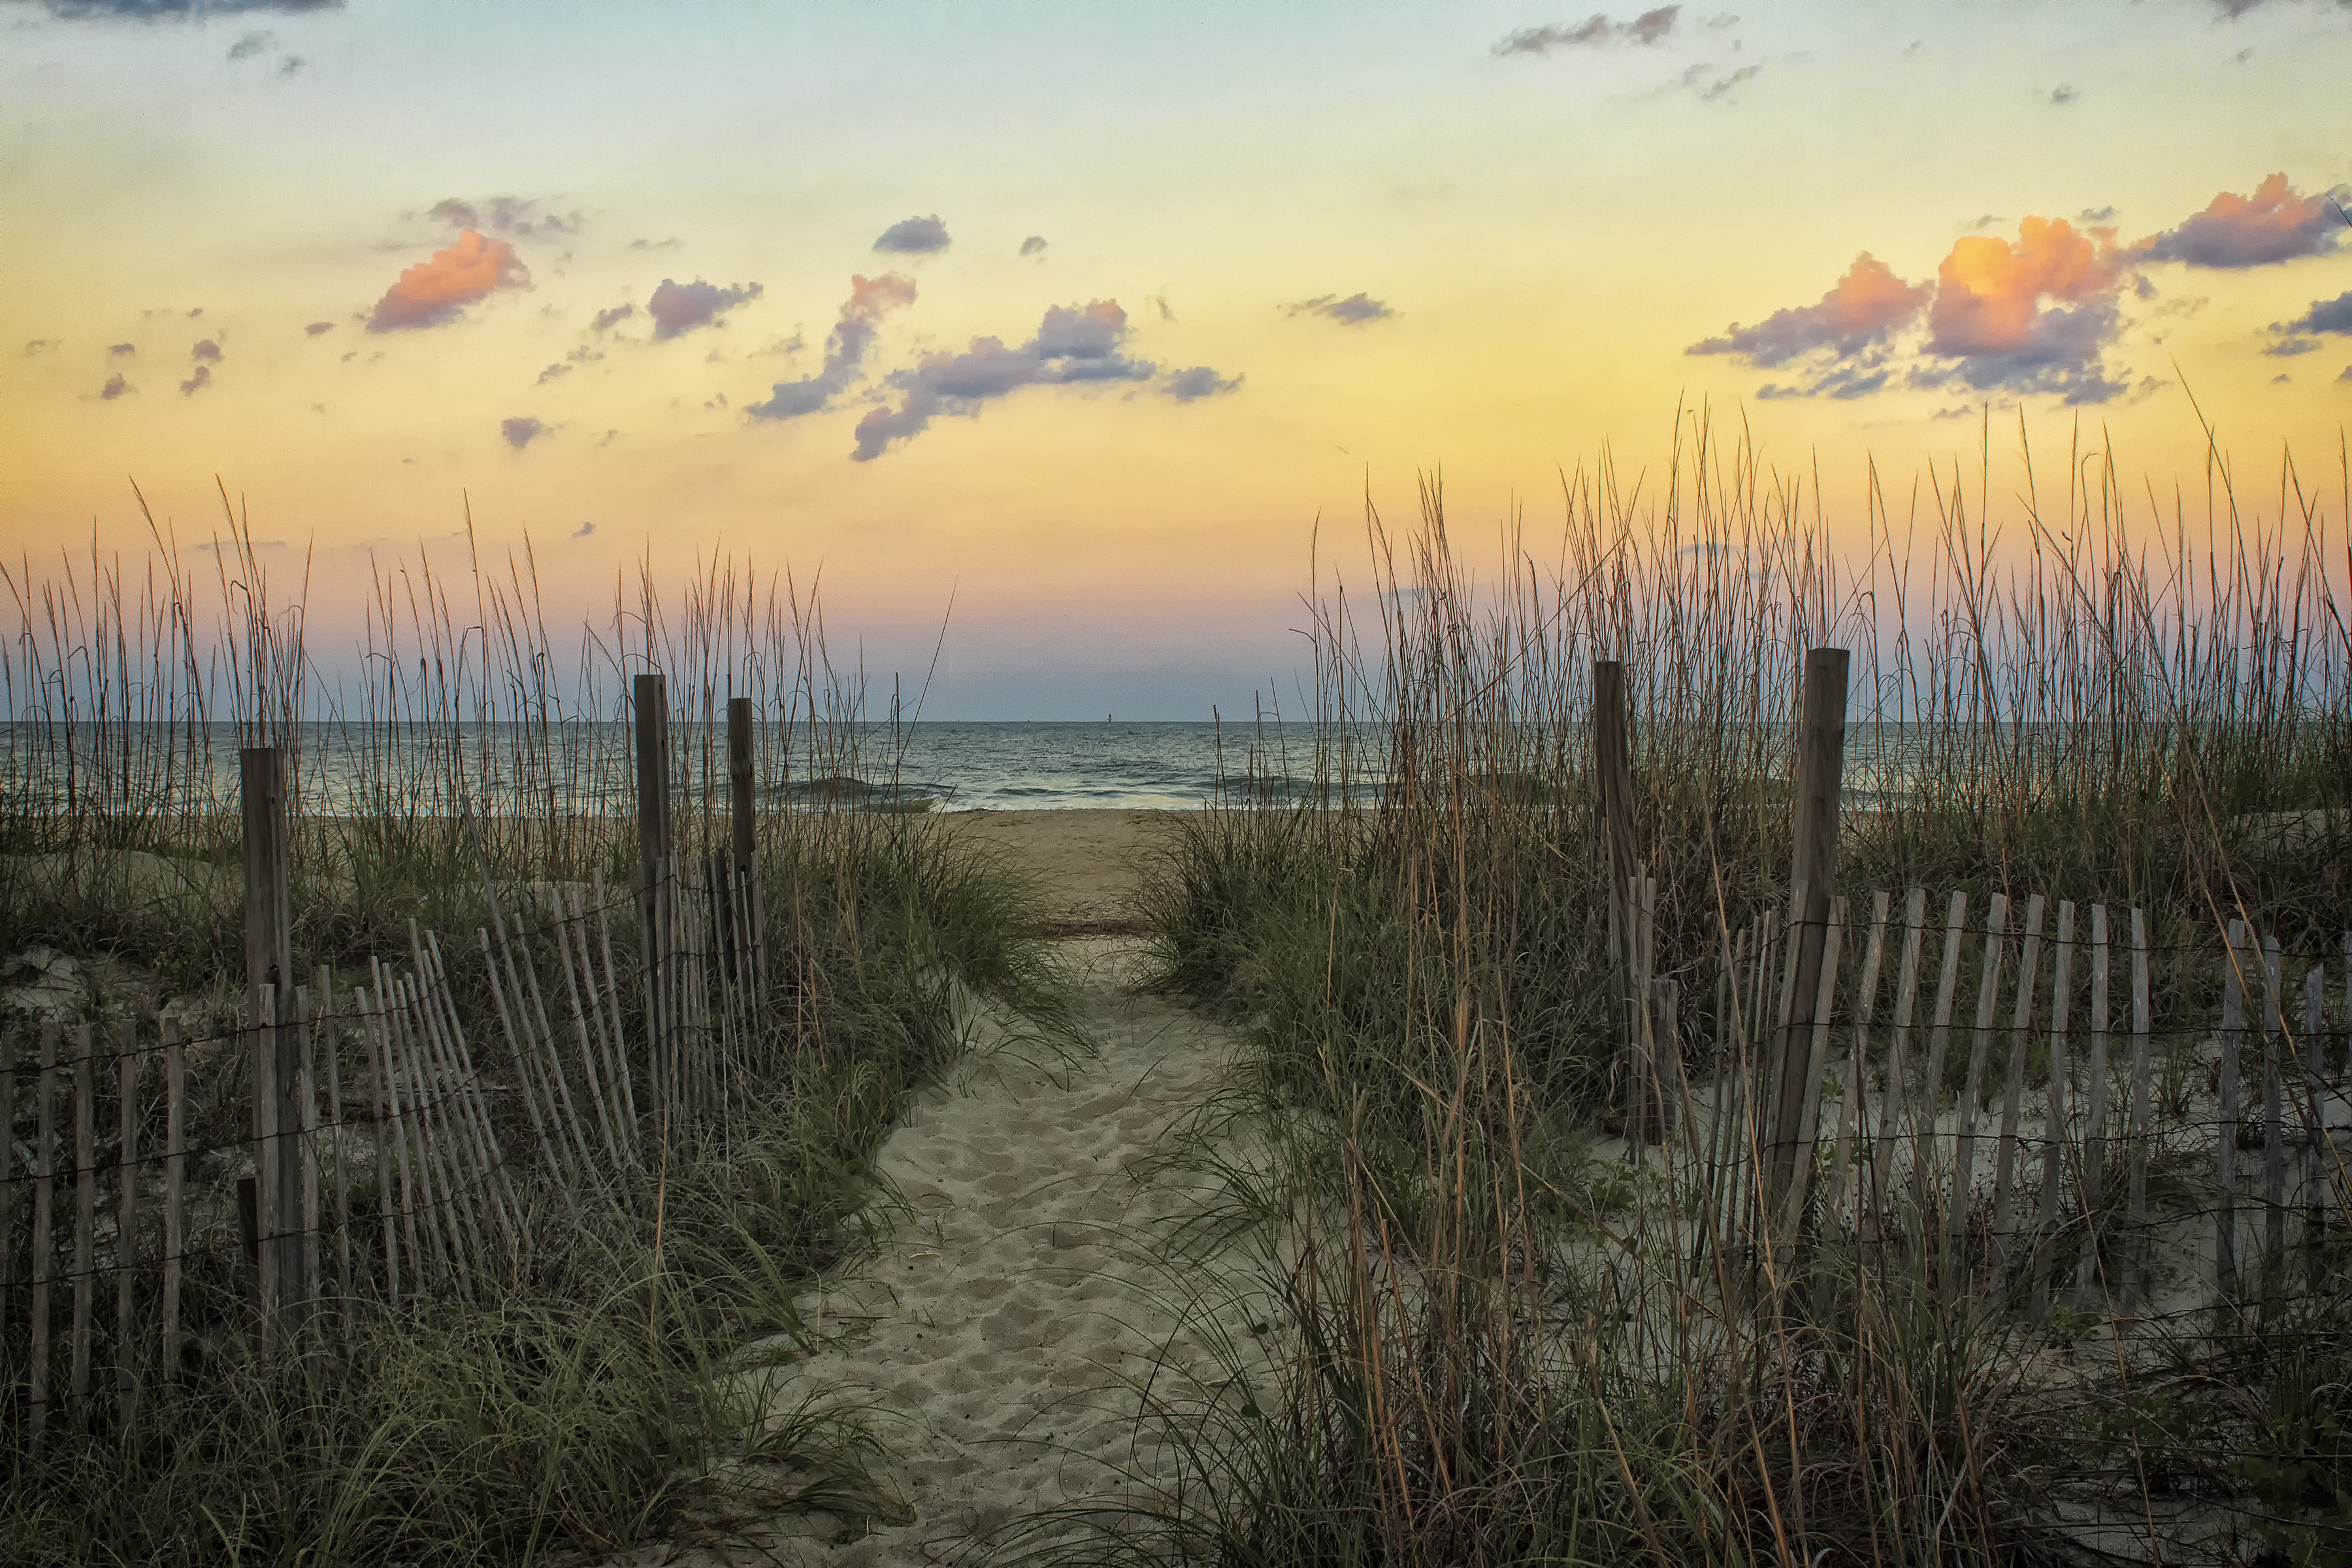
[(85, 1261), (1852, 1126), (561, 936), (2274, 1128), (477, 1093), (2057, 1110), (266, 1155), (126, 1219), (330, 1047), (1816, 1063), (2029, 976), (1925, 1182), (613, 1004), (2315, 1071), (2140, 1283), (520, 1052), (44, 1262), (1894, 1110), (393, 1127), (461, 1111), (175, 1207), (444, 1198), (305, 1309), (2239, 958), (1964, 1140), (8, 1178), (380, 1128), (2094, 1121)]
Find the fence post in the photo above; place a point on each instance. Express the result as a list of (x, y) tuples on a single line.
[(649, 710), (1612, 764), (744, 825), (270, 962), (1821, 762)]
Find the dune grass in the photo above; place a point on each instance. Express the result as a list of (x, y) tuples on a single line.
[(1488, 1348)]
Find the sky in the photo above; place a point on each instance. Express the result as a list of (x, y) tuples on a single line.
[(1064, 327)]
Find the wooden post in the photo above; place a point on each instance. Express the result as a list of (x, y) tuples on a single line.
[(650, 713), (1821, 763), (269, 961), (1612, 774), (2238, 953), (744, 825)]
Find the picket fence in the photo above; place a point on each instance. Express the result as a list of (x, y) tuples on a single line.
[(2047, 1192), (422, 1142)]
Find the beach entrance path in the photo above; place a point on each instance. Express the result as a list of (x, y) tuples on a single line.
[(1088, 863), (1021, 1288)]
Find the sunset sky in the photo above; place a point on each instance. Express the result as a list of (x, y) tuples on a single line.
[(1082, 313)]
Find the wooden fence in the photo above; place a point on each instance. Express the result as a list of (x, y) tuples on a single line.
[(244, 1193)]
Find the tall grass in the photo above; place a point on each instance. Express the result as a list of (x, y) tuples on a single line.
[(608, 1389), (1494, 1349)]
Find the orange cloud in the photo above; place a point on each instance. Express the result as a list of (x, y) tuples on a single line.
[(1988, 291), (1859, 310), (2273, 224), (434, 291)]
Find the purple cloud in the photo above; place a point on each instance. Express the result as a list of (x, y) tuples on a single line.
[(522, 432), (914, 236), (1651, 27), (845, 349), (1352, 312), (679, 307)]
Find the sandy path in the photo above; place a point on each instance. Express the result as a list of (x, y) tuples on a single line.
[(1018, 1292), (1088, 863)]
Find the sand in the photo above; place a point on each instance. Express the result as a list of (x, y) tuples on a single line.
[(1019, 1289), (1088, 863)]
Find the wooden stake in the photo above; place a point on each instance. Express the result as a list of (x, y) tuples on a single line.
[(1892, 1113), (2141, 1281), (1964, 1142), (2029, 974), (2057, 1110), (2274, 1129), (1924, 1180)]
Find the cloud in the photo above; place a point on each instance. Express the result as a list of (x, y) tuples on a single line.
[(316, 328), (2347, 373), (1075, 346), (522, 432), (251, 43), (1702, 80), (1352, 312), (2272, 225), (122, 350), (291, 64), (1595, 31), (679, 307), (197, 381), (1199, 381), (585, 528), (1859, 312), (2096, 215), (551, 371), (39, 345), (605, 320), (115, 387), (670, 244), (2325, 316), (1034, 245), (435, 290), (2032, 314), (845, 349), (914, 236), (160, 10), (2063, 95), (504, 215), (2290, 348), (206, 351)]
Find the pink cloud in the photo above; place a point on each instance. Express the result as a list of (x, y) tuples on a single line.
[(435, 290)]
